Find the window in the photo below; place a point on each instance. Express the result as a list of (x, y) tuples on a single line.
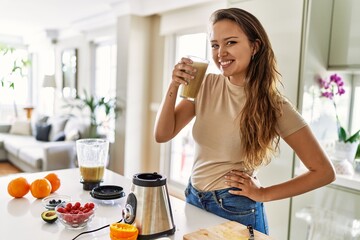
[(320, 112), (105, 70), (105, 82), (12, 100), (182, 146), (355, 114)]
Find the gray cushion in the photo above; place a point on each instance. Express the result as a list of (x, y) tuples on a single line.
[(35, 119), (42, 132)]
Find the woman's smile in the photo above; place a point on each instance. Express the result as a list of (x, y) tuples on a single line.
[(225, 64)]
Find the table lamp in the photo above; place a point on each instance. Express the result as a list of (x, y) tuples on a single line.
[(49, 81)]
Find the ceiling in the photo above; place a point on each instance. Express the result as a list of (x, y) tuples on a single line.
[(21, 18)]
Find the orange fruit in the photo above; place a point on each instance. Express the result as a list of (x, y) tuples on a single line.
[(120, 231), (18, 187), (54, 181), (40, 188)]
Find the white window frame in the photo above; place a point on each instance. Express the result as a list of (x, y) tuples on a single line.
[(354, 125), (175, 187)]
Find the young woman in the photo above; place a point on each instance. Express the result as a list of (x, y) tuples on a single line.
[(240, 118)]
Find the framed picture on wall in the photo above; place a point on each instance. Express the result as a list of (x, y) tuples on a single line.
[(69, 62)]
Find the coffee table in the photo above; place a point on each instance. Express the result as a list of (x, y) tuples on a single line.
[(20, 218)]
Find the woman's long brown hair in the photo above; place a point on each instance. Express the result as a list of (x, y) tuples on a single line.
[(259, 137)]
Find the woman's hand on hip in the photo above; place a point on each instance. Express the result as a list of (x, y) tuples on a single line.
[(247, 185), (183, 72)]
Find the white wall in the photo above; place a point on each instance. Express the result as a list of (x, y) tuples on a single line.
[(133, 81), (189, 18), (155, 88), (137, 96), (282, 19)]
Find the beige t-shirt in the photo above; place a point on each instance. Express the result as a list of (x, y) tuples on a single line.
[(216, 131)]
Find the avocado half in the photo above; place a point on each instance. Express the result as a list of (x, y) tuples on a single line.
[(49, 216)]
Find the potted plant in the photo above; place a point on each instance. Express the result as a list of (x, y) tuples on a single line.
[(347, 145), (108, 107), (17, 67)]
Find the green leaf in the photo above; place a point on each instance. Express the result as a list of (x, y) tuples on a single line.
[(358, 152), (15, 67), (25, 63), (342, 134), (355, 137), (107, 109)]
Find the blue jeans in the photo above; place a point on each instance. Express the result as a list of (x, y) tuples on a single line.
[(233, 207)]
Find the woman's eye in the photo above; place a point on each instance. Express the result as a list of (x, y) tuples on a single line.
[(214, 46), (230, 42)]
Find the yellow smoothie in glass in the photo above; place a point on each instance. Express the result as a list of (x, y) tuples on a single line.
[(191, 90)]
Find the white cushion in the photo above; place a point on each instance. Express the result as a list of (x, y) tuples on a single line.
[(76, 125), (57, 126), (72, 135), (21, 127)]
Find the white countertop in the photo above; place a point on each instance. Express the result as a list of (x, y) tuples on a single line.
[(20, 218)]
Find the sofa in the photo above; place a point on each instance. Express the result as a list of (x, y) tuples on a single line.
[(42, 143)]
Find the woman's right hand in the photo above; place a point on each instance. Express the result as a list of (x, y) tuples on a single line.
[(183, 72), (170, 118)]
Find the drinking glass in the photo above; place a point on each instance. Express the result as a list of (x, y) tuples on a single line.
[(191, 90)]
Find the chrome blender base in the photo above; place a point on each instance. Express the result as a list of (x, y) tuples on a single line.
[(157, 235)]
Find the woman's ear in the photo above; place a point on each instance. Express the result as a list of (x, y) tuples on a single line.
[(256, 46)]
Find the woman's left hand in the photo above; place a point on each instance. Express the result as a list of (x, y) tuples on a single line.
[(248, 186)]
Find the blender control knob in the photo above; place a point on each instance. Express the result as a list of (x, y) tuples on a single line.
[(128, 214)]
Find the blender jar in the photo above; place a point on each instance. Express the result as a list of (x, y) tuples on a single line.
[(92, 154)]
